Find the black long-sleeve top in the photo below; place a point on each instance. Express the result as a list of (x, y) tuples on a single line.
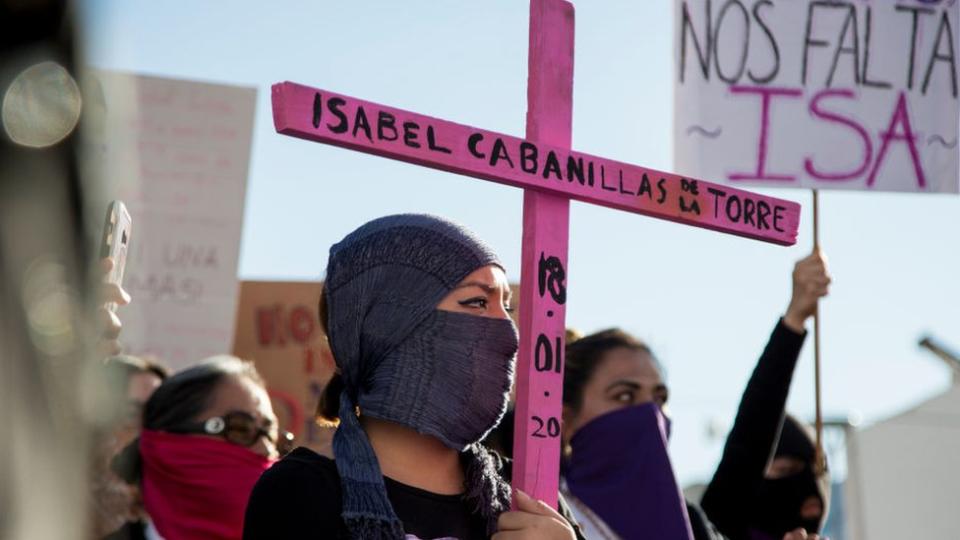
[(753, 438), (301, 497)]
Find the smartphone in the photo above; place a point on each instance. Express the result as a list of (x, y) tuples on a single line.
[(116, 242)]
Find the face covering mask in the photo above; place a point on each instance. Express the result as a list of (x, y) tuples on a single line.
[(450, 378), (402, 361), (195, 487), (777, 504), (620, 469)]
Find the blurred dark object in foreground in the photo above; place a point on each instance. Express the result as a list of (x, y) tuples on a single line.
[(27, 22), (44, 314)]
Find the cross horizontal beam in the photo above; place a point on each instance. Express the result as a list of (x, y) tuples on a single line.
[(330, 118)]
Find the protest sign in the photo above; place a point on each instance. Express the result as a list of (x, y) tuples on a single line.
[(279, 330), (837, 94), (176, 152)]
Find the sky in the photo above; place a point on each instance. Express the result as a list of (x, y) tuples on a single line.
[(705, 302)]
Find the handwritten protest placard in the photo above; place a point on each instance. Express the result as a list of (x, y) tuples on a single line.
[(177, 153), (278, 328), (844, 94)]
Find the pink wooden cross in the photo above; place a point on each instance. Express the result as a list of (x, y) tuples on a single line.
[(550, 174)]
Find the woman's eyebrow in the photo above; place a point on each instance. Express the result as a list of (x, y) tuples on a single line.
[(629, 384), (485, 286)]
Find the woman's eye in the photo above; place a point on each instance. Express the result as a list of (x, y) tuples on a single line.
[(624, 397), (508, 308), (478, 302)]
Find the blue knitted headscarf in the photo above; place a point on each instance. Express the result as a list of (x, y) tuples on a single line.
[(404, 361)]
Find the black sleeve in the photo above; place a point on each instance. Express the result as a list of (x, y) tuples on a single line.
[(700, 525), (294, 499), (753, 438)]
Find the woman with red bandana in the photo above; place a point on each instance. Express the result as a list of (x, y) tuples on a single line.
[(209, 431)]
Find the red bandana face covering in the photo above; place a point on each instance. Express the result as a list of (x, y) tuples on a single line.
[(196, 487)]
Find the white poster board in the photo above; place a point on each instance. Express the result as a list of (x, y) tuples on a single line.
[(177, 153), (840, 94)]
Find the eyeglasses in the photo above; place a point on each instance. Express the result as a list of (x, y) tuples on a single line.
[(240, 428)]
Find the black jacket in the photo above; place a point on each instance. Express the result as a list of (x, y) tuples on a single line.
[(753, 438)]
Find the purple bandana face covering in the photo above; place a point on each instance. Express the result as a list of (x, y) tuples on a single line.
[(619, 467)]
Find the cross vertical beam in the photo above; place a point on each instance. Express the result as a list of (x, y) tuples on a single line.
[(544, 259)]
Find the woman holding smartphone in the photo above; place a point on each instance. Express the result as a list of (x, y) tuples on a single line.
[(415, 308)]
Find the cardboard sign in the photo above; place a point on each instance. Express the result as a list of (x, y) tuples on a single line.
[(278, 329), (177, 153), (339, 120), (830, 95)]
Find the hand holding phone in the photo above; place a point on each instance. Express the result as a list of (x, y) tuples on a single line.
[(113, 258), (115, 245)]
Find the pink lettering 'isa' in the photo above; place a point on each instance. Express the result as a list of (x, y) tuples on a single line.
[(902, 117), (817, 111), (766, 96)]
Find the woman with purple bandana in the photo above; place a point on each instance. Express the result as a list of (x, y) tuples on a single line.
[(616, 472), (415, 309), (614, 397)]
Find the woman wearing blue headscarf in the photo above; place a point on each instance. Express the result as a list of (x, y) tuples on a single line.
[(415, 312)]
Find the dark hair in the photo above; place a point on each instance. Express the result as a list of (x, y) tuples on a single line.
[(584, 355), (500, 438), (181, 398), (328, 408)]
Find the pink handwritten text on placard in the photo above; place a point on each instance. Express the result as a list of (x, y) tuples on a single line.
[(838, 94)]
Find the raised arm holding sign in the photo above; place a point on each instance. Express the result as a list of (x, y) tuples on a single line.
[(820, 95)]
